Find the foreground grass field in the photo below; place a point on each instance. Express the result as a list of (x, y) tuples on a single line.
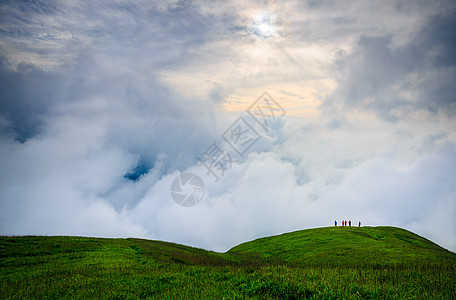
[(322, 263)]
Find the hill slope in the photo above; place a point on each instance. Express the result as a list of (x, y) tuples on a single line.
[(339, 246), (55, 249), (85, 268)]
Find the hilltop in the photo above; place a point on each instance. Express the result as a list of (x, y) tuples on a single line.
[(345, 246)]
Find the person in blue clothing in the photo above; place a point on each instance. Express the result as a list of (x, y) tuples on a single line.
[(335, 223), (349, 222)]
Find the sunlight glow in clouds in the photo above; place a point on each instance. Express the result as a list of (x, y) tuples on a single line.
[(103, 104), (263, 25)]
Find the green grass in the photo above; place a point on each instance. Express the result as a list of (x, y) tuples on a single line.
[(346, 246), (322, 263)]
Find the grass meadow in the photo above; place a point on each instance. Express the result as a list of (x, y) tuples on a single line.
[(34, 267)]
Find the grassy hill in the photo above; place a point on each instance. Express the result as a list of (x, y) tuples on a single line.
[(345, 246), (329, 263)]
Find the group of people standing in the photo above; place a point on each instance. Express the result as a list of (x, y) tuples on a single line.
[(345, 222)]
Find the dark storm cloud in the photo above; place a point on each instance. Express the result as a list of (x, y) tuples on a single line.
[(161, 34), (71, 36), (26, 97), (394, 80), (155, 119), (143, 38)]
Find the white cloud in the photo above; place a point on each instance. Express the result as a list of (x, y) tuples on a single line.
[(98, 92)]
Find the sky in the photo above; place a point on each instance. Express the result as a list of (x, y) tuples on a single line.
[(104, 104)]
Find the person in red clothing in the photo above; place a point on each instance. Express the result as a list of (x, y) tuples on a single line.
[(350, 223), (359, 224)]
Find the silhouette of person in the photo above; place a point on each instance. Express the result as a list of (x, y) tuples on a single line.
[(359, 224), (350, 223), (335, 223)]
